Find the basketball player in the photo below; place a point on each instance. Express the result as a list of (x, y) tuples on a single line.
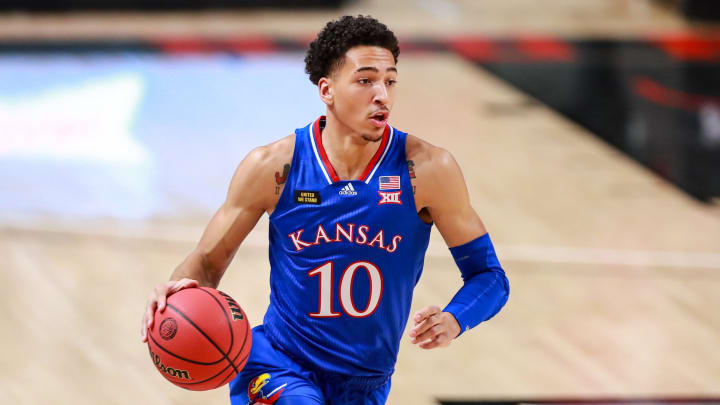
[(351, 202)]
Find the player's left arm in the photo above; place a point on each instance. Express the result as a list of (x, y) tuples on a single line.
[(441, 191)]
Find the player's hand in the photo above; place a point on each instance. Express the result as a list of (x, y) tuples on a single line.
[(158, 299), (434, 328)]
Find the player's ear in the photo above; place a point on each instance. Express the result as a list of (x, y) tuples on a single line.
[(326, 90)]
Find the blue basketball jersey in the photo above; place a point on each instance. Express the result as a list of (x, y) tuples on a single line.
[(345, 256)]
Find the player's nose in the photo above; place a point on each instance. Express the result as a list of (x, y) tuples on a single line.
[(381, 94)]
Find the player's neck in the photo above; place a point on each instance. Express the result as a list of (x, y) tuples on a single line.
[(348, 152)]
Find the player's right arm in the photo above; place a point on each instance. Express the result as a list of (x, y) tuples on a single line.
[(252, 192)]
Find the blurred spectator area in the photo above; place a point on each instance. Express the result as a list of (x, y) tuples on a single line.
[(708, 10), (701, 10), (69, 5)]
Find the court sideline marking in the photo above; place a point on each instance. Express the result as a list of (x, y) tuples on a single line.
[(508, 252)]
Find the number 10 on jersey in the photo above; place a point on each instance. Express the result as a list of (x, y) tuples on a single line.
[(325, 309)]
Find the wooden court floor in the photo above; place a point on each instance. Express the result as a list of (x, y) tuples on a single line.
[(615, 274)]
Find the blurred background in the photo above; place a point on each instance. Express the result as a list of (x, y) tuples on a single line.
[(588, 133)]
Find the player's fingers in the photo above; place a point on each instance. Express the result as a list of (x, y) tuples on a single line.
[(161, 292), (143, 326), (429, 334), (148, 318), (143, 330), (429, 345), (441, 340), (432, 344), (424, 313), (175, 286), (190, 283), (150, 307), (170, 288), (158, 300), (162, 301), (423, 327)]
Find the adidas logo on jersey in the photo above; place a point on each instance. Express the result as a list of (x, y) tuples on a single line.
[(348, 190)]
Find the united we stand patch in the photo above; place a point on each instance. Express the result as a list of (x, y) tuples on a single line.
[(307, 197)]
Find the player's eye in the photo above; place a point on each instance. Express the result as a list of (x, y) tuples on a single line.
[(364, 81), (391, 82)]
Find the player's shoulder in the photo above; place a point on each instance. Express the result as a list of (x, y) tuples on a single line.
[(251, 184), (426, 156), (433, 171), (270, 155)]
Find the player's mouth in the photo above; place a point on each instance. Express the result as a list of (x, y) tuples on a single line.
[(379, 119)]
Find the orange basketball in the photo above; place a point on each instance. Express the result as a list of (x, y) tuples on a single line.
[(202, 339)]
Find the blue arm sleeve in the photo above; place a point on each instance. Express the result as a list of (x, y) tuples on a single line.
[(485, 290)]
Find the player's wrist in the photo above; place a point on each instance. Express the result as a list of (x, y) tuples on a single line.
[(453, 324)]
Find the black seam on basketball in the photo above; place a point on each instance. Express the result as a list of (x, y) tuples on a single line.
[(203, 333), (248, 331), (245, 359), (227, 319), (242, 363), (214, 376), (226, 380), (183, 358)]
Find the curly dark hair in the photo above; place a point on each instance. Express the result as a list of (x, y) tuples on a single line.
[(327, 51)]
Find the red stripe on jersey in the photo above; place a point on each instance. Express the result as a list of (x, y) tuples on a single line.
[(377, 155), (328, 166), (321, 149)]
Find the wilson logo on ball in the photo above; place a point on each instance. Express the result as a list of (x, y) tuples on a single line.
[(234, 307), (168, 370), (168, 328)]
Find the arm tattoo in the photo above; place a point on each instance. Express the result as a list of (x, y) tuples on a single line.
[(411, 168), (280, 179)]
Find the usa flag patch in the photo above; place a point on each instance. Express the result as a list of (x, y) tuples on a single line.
[(389, 182)]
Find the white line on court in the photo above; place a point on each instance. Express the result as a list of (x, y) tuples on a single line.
[(506, 252)]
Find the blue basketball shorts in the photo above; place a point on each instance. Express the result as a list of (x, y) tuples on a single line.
[(271, 377)]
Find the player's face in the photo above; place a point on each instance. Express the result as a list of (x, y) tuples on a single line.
[(364, 90)]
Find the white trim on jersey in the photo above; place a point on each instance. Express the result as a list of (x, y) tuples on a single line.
[(317, 155), (379, 162), (271, 393)]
